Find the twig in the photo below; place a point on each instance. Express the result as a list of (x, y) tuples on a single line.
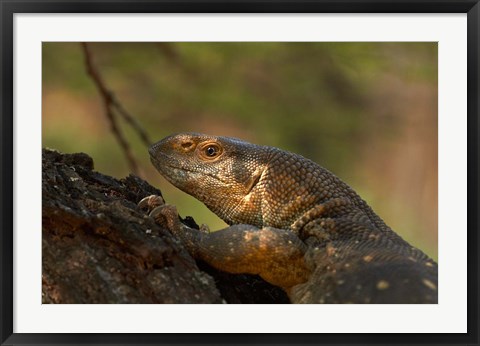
[(111, 105), (168, 51), (133, 122)]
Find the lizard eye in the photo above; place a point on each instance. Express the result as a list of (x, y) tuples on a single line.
[(210, 151)]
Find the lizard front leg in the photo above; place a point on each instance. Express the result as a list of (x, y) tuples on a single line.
[(274, 254)]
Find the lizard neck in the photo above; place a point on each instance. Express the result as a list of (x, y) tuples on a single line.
[(292, 185)]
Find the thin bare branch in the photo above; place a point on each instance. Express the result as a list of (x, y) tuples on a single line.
[(168, 51), (111, 105), (133, 122)]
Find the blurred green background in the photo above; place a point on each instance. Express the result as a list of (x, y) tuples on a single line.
[(365, 111)]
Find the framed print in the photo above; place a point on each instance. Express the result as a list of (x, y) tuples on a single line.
[(166, 163)]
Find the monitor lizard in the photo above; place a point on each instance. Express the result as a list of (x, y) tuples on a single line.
[(292, 222)]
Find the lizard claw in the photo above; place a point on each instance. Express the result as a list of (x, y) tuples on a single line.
[(167, 216), (164, 214), (151, 202), (204, 228)]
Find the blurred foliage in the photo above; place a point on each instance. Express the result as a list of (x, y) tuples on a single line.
[(366, 111)]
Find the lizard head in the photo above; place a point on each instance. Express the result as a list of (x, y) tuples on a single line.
[(223, 173)]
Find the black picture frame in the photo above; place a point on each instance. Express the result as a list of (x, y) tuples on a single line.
[(10, 7)]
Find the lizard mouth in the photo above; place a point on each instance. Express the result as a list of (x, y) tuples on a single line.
[(165, 166)]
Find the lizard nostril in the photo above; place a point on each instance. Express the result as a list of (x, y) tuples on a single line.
[(187, 145)]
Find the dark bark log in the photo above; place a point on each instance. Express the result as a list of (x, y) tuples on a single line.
[(99, 247)]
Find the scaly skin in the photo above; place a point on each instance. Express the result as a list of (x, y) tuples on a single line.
[(293, 223)]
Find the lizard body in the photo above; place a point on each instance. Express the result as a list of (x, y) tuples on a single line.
[(292, 222)]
